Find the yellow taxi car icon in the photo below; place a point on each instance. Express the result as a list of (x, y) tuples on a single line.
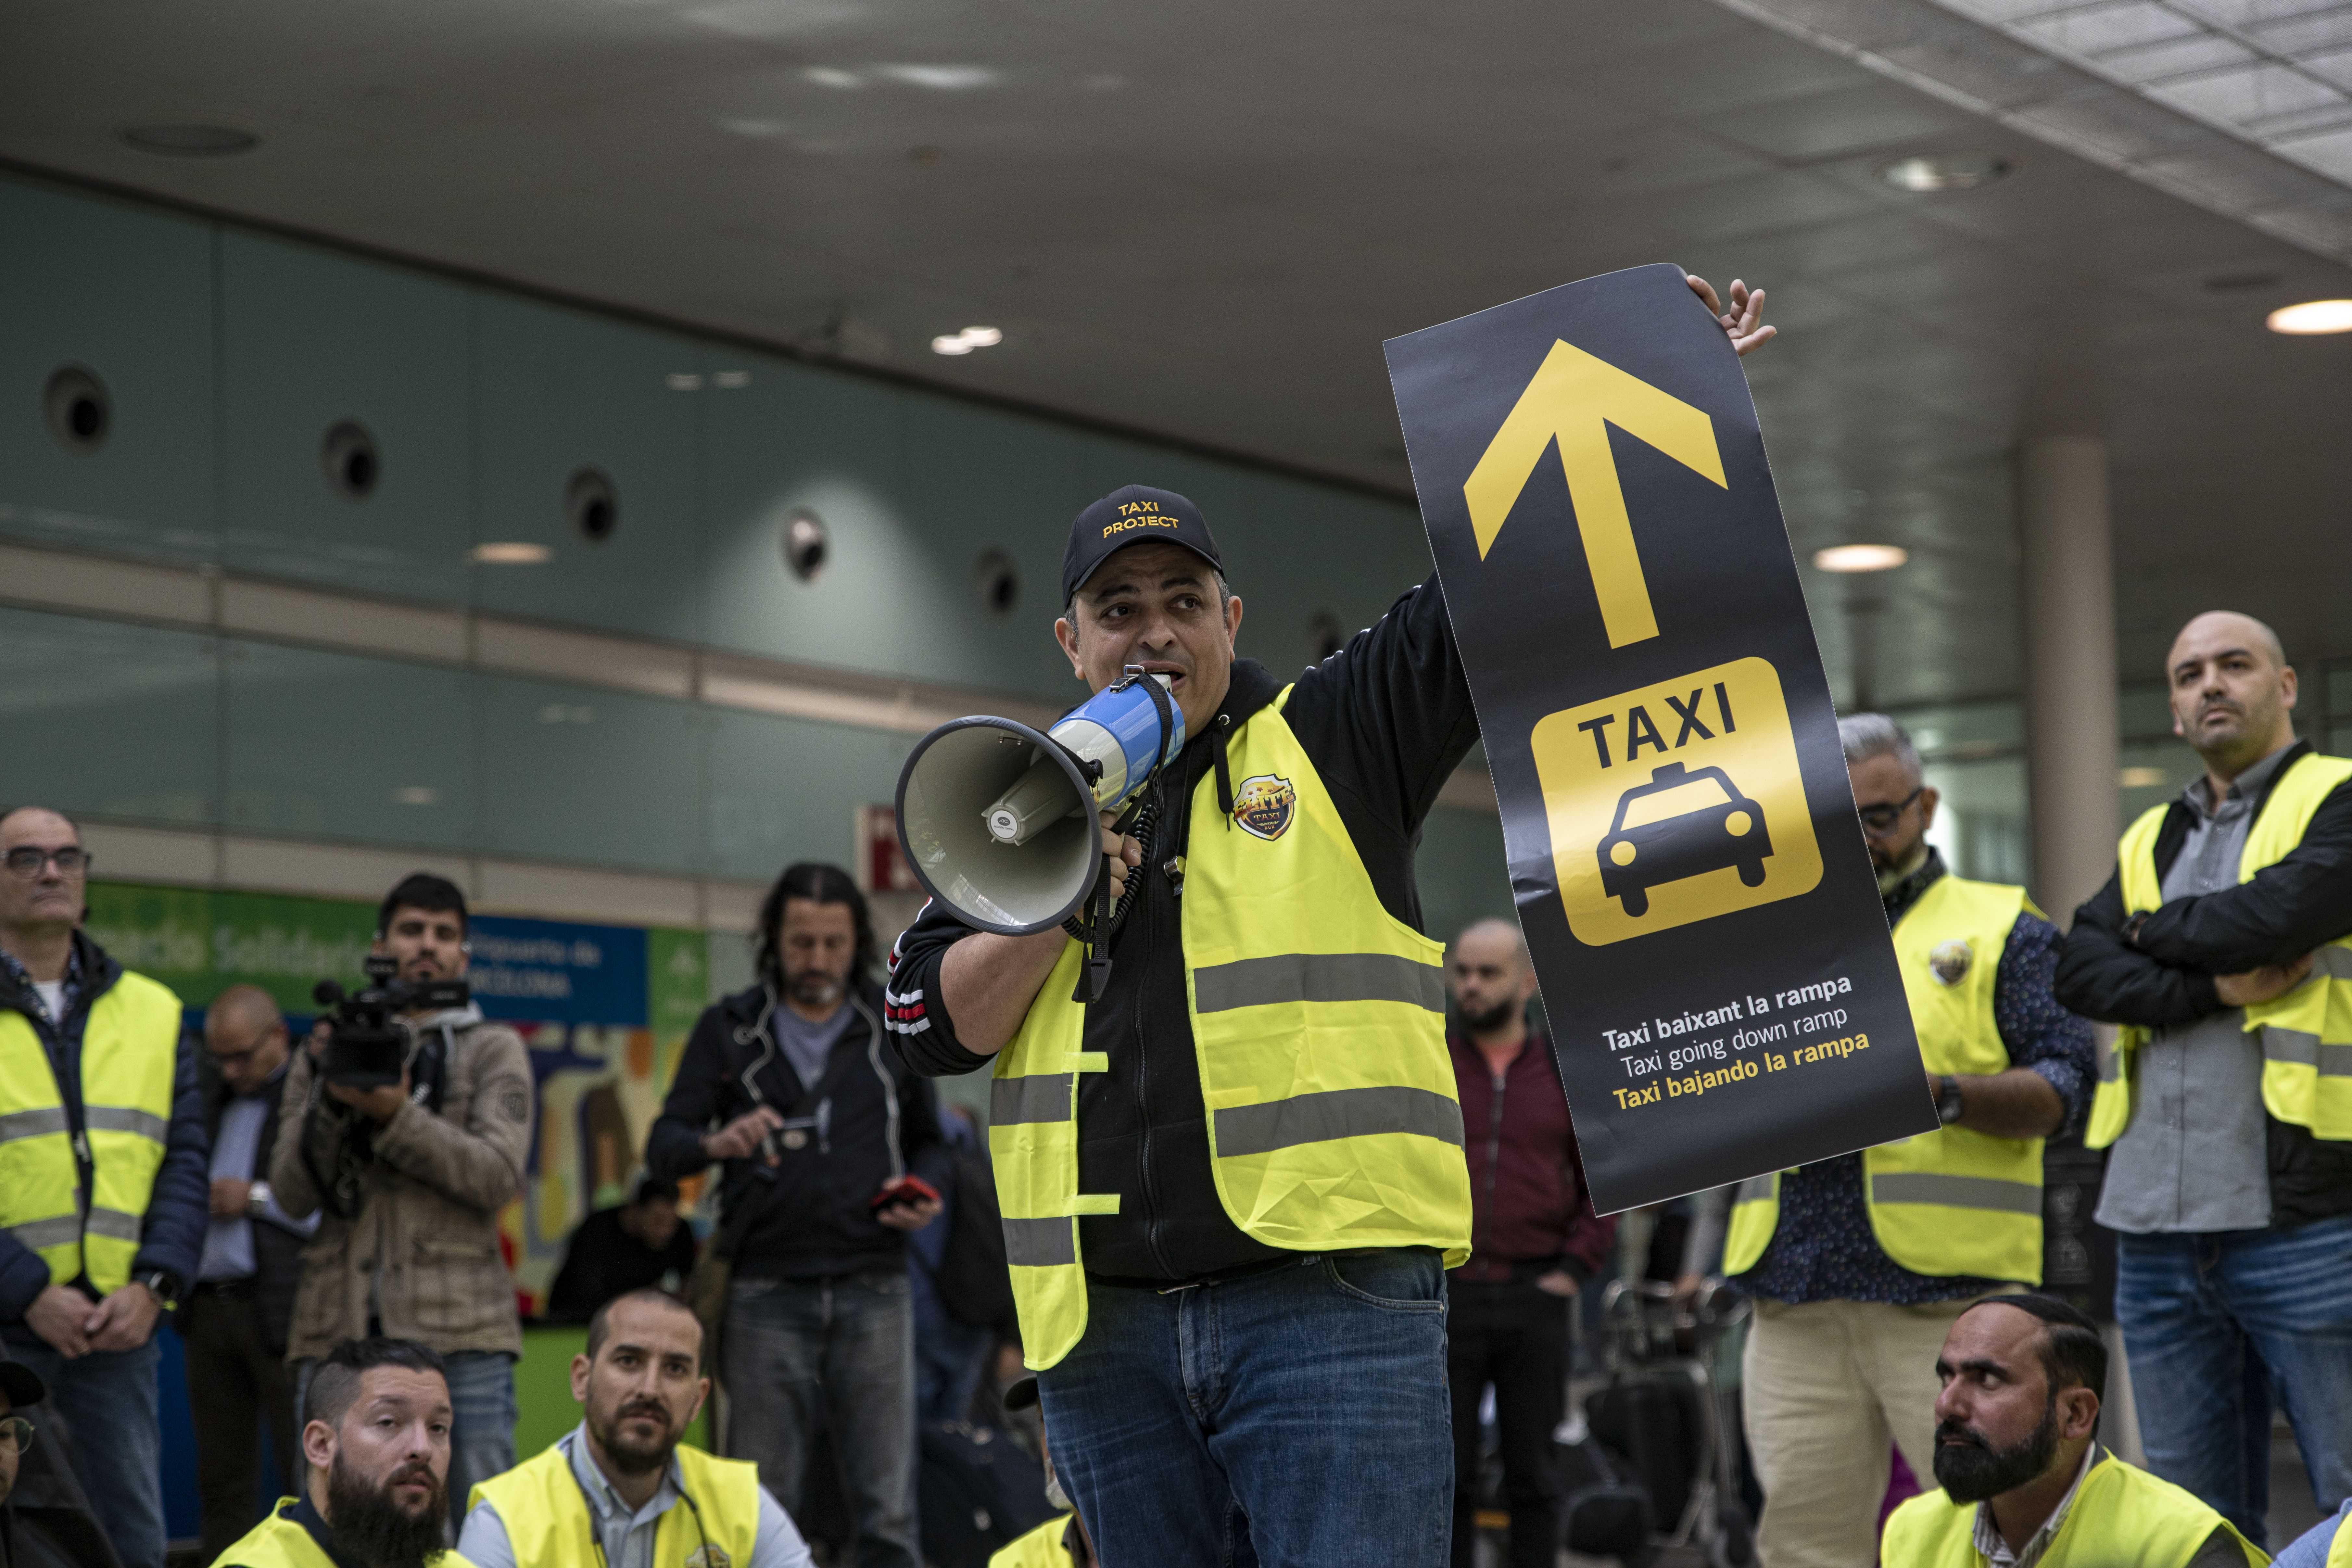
[(1685, 822)]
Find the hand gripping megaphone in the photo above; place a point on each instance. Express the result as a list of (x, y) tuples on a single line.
[(998, 821)]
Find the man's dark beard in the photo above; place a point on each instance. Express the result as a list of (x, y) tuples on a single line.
[(810, 987), (370, 1524), (632, 1459), (1497, 1016), (1974, 1470)]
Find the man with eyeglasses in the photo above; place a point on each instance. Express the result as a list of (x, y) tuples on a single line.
[(45, 1519), (102, 1183), (1860, 1265), (233, 1322)]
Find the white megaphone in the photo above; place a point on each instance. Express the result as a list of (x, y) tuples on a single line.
[(999, 821)]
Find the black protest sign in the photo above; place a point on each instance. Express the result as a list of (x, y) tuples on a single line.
[(1694, 889)]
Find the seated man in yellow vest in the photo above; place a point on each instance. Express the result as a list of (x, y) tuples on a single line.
[(1859, 1264), (2025, 1481), (619, 1490), (1232, 1184), (1061, 1541), (377, 1447), (2223, 946)]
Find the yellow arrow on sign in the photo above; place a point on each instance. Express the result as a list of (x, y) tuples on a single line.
[(1575, 397)]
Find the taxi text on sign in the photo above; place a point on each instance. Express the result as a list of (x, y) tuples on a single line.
[(1694, 886)]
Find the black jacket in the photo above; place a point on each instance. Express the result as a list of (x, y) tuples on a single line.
[(178, 1207), (2162, 975), (48, 1521), (277, 1251), (875, 1119), (1385, 722)]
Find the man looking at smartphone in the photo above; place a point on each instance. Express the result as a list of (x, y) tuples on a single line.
[(832, 1157)]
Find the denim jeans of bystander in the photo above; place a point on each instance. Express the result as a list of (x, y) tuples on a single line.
[(1294, 1418), (838, 1350), (109, 1405), (2217, 1324)]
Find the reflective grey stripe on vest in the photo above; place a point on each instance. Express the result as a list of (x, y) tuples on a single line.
[(1336, 1113), (2334, 961), (2111, 1062), (115, 1118), (114, 1224), (33, 1123), (1758, 1190), (62, 1231), (1038, 1097), (1956, 1192), (1319, 977), (2306, 1050), (1040, 1243)]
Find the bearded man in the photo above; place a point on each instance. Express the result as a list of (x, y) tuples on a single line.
[(377, 1443), (2024, 1480), (832, 1157), (618, 1490)]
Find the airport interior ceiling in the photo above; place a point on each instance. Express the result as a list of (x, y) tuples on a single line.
[(1200, 221)]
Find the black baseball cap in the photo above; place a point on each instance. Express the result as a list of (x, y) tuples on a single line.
[(1135, 515), (21, 1383)]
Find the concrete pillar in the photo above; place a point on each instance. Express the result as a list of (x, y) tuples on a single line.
[(2068, 602)]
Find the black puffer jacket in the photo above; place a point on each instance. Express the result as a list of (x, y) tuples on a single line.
[(1385, 722), (875, 1119)]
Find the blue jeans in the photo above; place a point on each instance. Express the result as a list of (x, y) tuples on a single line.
[(110, 1409), (2218, 1324), (839, 1351), (481, 1420), (1296, 1418)]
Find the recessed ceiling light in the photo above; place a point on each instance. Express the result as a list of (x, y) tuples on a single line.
[(2313, 318), (190, 141), (1945, 171), (2142, 778), (943, 78), (416, 795), (684, 381), (510, 553), (964, 342), (758, 127), (731, 380), (1860, 557), (833, 76)]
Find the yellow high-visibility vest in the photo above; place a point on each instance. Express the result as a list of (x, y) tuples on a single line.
[(1953, 1201), (2120, 1515), (130, 1055), (547, 1521), (2306, 1034), (1318, 1025), (1041, 1548), (278, 1543)]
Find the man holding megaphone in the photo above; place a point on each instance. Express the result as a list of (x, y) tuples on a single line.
[(1181, 927)]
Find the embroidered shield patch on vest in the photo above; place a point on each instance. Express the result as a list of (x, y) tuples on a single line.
[(1951, 960), (1264, 804)]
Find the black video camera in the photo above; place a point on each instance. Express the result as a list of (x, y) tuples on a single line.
[(370, 1042)]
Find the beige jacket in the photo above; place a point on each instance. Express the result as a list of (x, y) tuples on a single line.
[(425, 1237)]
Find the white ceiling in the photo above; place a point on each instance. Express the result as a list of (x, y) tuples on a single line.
[(1201, 220)]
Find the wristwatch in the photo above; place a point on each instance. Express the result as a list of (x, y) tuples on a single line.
[(163, 1287), (257, 1198), (1950, 1105)]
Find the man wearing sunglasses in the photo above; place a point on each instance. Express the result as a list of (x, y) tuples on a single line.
[(1860, 1264), (102, 1178)]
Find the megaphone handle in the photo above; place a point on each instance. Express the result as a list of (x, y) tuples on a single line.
[(1095, 978)]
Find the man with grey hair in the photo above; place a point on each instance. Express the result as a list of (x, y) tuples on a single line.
[(1859, 1265), (2223, 946)]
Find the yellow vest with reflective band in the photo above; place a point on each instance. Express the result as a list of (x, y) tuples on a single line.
[(546, 1515), (1041, 1548), (279, 1542), (130, 1054), (2121, 1515), (2306, 1034), (1953, 1201), (1318, 1027)]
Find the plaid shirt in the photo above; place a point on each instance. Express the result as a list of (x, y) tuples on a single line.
[(69, 997)]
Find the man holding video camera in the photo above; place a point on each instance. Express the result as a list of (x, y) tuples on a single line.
[(410, 1174)]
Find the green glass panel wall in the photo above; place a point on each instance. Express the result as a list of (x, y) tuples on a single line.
[(786, 789), (573, 773), (106, 718)]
